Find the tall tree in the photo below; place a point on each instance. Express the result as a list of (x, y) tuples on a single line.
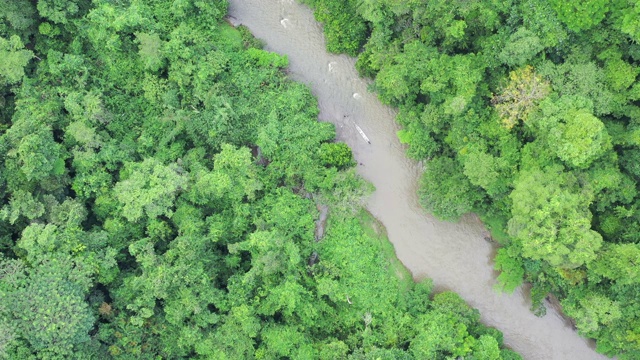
[(551, 219)]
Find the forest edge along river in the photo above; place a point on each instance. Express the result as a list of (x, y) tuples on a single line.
[(455, 255)]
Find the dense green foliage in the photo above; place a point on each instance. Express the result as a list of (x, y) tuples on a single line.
[(160, 179), (529, 114)]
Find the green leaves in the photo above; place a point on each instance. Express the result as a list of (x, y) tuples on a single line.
[(48, 310), (520, 97), (486, 171), (592, 311), (149, 188), (23, 204), (336, 154), (58, 11), (567, 72), (630, 23), (511, 270), (550, 218), (445, 190), (581, 139), (266, 58), (583, 15), (344, 28), (14, 60), (164, 178), (522, 47), (420, 70), (18, 13), (486, 348), (576, 136), (446, 331), (233, 178), (618, 262), (150, 51)]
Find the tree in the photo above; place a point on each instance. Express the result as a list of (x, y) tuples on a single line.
[(579, 16), (576, 136), (14, 59), (161, 173), (336, 154), (150, 50), (618, 262), (23, 204), (591, 310), (487, 171), (579, 80), (551, 218), (511, 270), (520, 97), (486, 348), (439, 64), (444, 331), (445, 190), (522, 47), (236, 338), (45, 304), (59, 11), (149, 188), (234, 177), (629, 22), (540, 17), (620, 74), (18, 13), (345, 30), (441, 336), (267, 59), (36, 155)]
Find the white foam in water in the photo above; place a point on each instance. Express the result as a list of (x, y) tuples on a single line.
[(357, 96), (284, 22)]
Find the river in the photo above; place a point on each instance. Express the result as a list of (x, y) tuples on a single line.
[(454, 255)]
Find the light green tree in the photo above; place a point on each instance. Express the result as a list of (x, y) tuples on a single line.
[(618, 262), (573, 132), (149, 188), (551, 218), (14, 59), (582, 15), (150, 50), (591, 310)]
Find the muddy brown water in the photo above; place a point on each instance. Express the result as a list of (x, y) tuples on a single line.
[(455, 255)]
